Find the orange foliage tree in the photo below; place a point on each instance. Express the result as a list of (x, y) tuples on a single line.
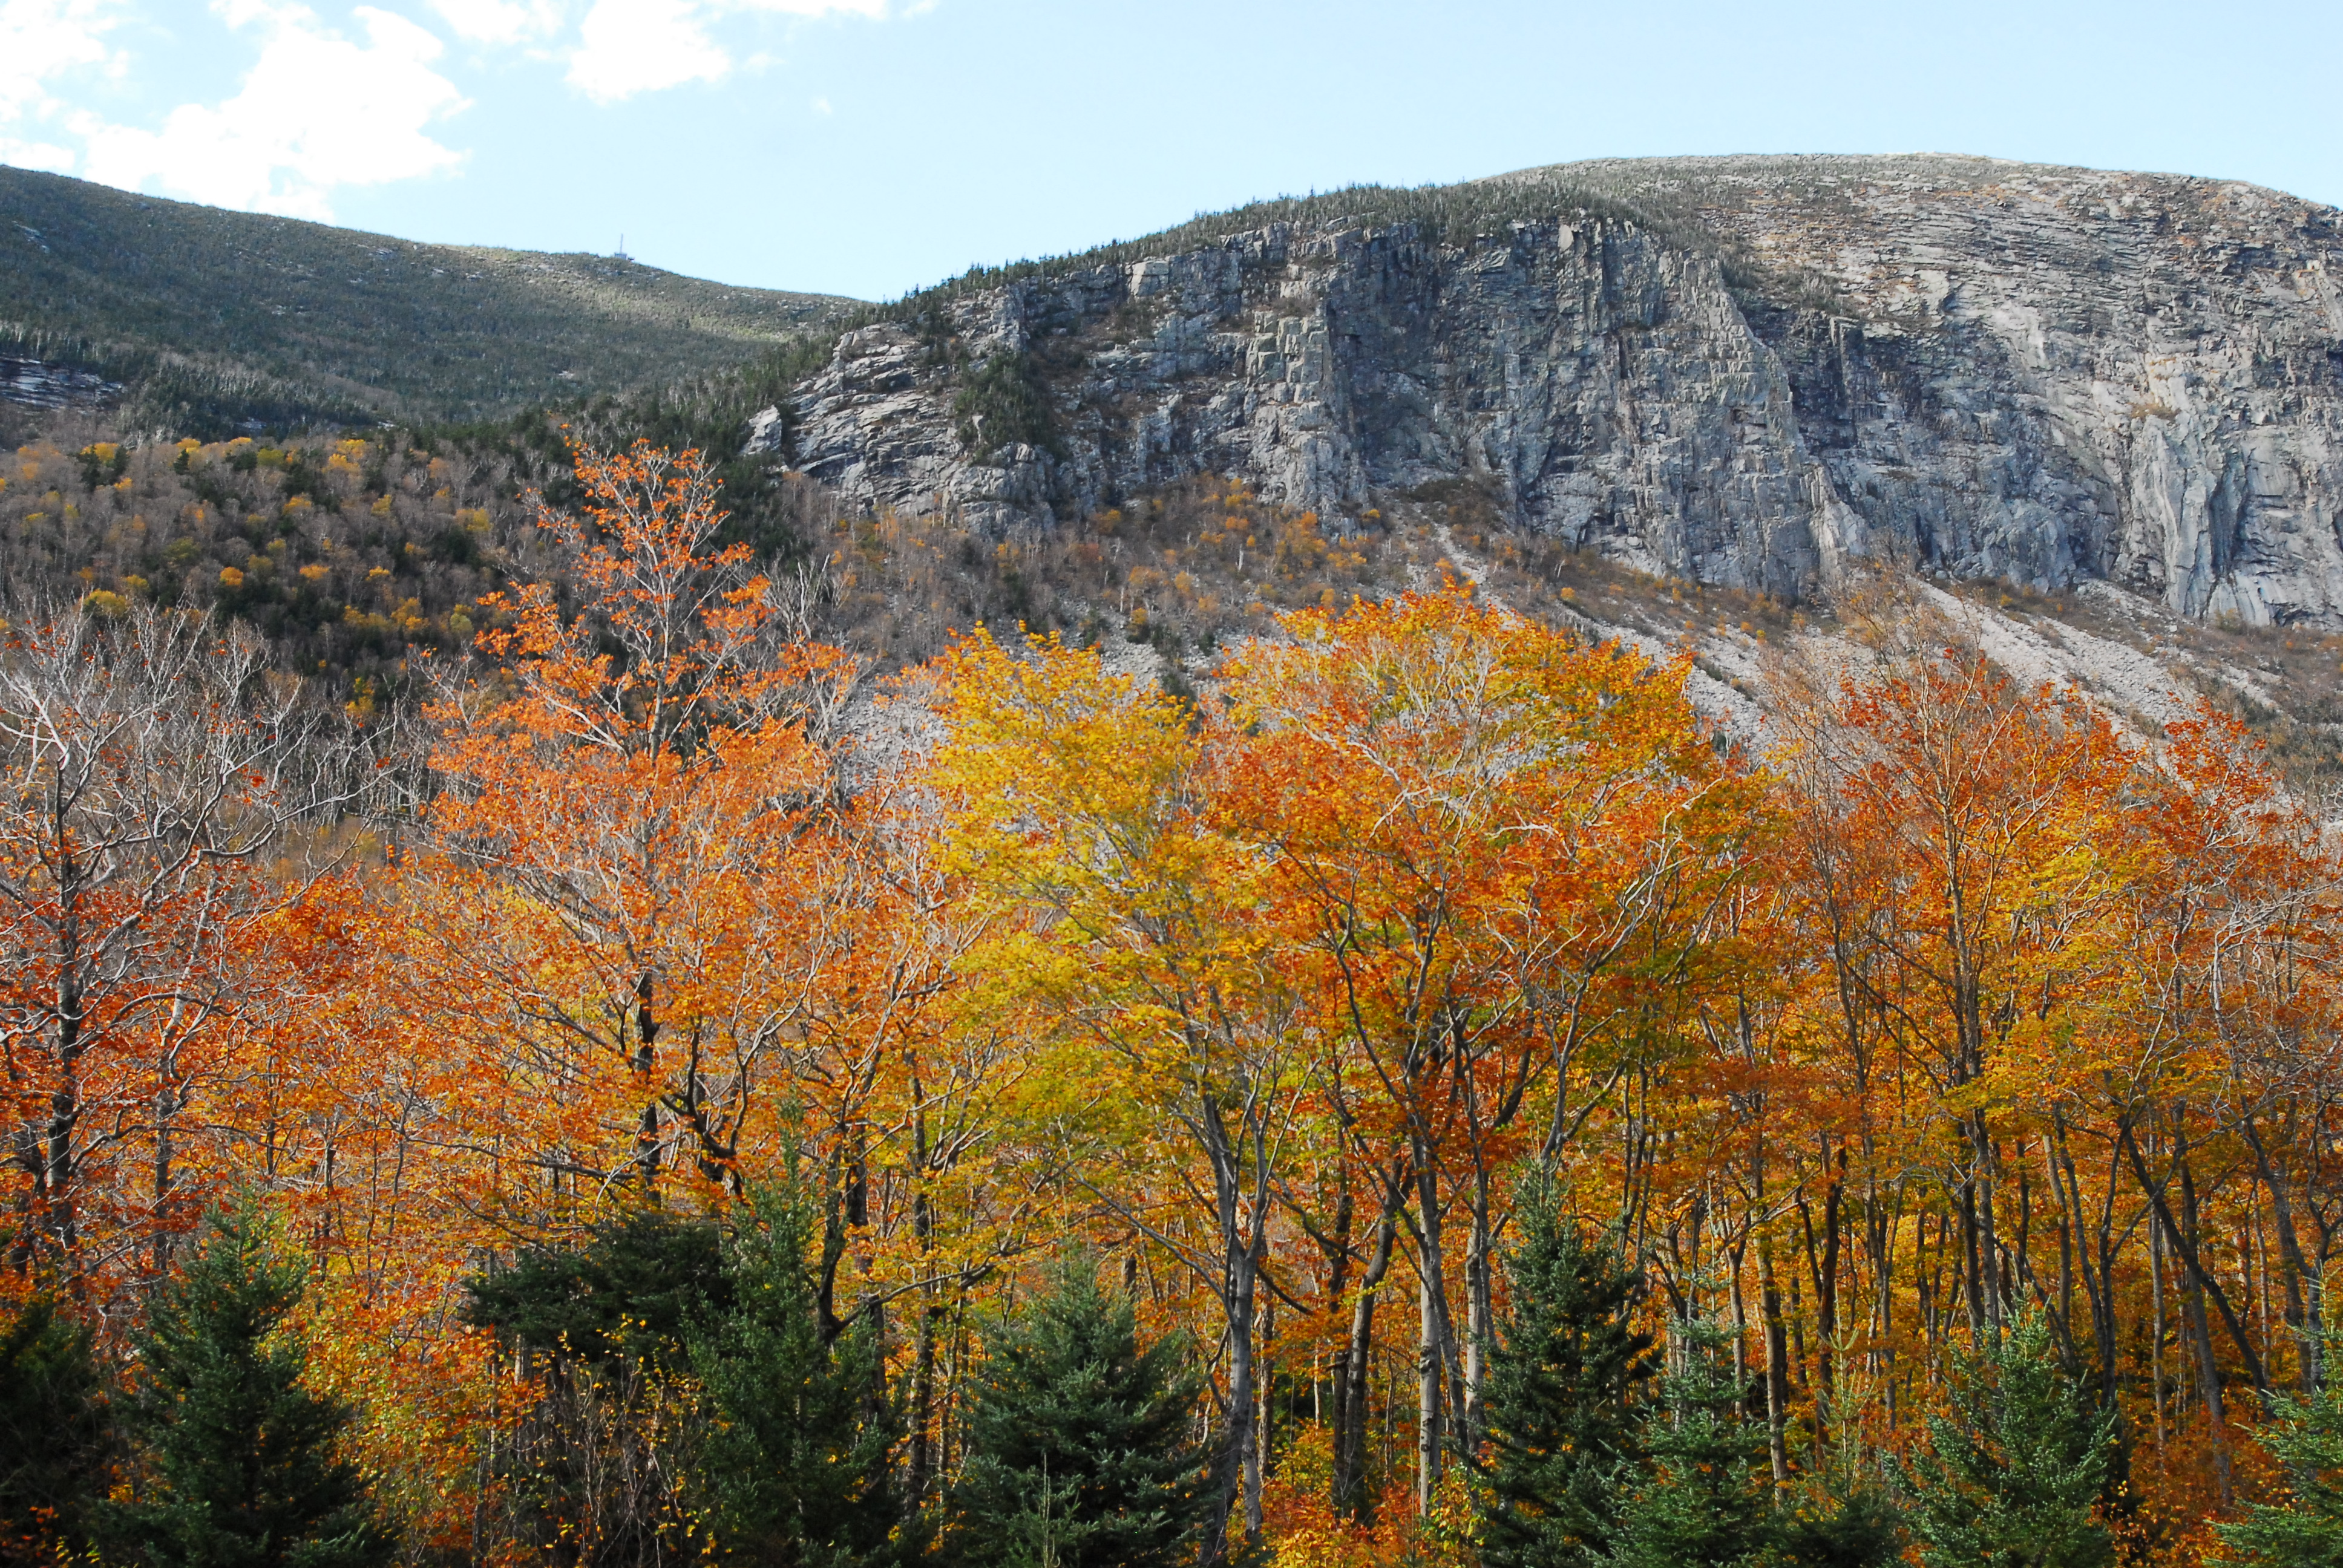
[(154, 771), (1952, 1001)]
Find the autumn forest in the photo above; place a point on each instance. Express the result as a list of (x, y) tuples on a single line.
[(1418, 1095)]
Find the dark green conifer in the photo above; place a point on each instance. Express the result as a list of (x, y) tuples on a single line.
[(795, 1467), (1858, 1528), (238, 1460), (1564, 1419), (692, 1358), (2305, 1436), (1702, 1507), (2015, 1471), (53, 1448), (595, 1471), (1080, 1453), (634, 1292)]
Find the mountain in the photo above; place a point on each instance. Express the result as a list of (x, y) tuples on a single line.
[(1719, 405), (197, 321), (1757, 374)]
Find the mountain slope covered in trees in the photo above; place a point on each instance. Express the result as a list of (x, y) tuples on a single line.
[(203, 320)]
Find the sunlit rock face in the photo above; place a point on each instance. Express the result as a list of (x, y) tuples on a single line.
[(1981, 369)]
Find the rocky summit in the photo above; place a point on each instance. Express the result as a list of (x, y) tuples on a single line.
[(1751, 372)]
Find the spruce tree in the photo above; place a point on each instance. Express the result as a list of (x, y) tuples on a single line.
[(53, 1447), (598, 1469), (2014, 1472), (1079, 1449), (239, 1461), (794, 1468), (1702, 1507), (1858, 1528), (1562, 1396), (2305, 1436), (632, 1291)]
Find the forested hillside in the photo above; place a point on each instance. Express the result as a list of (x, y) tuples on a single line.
[(194, 321), (1420, 1096), (360, 558)]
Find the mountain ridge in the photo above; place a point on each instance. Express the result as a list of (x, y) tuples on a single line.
[(1747, 371), (1687, 402), (207, 321)]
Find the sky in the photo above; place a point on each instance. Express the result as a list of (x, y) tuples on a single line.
[(868, 147)]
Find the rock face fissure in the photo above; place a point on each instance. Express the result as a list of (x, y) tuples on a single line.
[(1989, 369)]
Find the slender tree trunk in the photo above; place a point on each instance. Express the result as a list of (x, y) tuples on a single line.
[(167, 1111), (1237, 1483), (2094, 1252), (2209, 1370), (1972, 1269), (55, 1181), (2209, 1389), (1356, 1370), (1480, 1312), (1427, 1399), (1264, 1420), (1988, 1244), (1777, 1362), (918, 1455), (1825, 1268), (2299, 1275), (647, 1135), (1428, 1362), (2184, 1243), (2155, 1344)]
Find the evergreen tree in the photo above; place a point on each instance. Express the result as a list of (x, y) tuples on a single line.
[(637, 1289), (1563, 1423), (1860, 1528), (240, 1467), (598, 1469), (1841, 1515), (694, 1400), (1079, 1449), (1702, 1507), (794, 1468), (52, 1446), (2013, 1470), (2306, 1435)]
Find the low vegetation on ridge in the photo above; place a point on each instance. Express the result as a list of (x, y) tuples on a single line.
[(211, 319)]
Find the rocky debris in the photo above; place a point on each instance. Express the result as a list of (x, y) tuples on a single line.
[(1987, 370), (2140, 691)]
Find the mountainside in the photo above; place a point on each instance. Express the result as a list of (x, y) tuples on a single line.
[(195, 321), (1752, 373), (1689, 403)]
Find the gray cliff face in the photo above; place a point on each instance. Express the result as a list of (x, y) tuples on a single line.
[(1989, 369), (43, 385)]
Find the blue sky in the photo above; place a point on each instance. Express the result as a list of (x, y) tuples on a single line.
[(868, 147)]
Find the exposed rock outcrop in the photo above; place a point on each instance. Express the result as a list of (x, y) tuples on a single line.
[(44, 385), (2052, 375)]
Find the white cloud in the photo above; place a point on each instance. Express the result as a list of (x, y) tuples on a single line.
[(23, 154), (876, 10), (629, 46), (499, 21), (317, 112), (42, 39)]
